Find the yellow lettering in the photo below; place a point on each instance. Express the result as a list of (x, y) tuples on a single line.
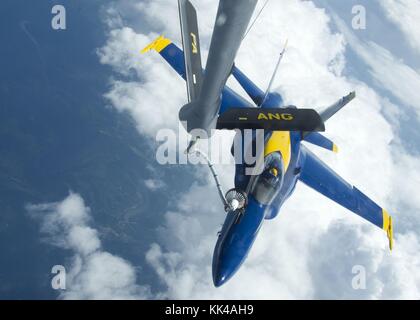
[(275, 116), (272, 116), (262, 116), (194, 43), (286, 116)]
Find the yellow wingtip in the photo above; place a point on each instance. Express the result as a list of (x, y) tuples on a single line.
[(387, 226), (390, 234), (335, 148), (158, 44)]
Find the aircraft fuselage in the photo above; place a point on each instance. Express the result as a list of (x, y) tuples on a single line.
[(239, 232)]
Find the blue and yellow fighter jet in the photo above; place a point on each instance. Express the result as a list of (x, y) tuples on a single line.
[(285, 160)]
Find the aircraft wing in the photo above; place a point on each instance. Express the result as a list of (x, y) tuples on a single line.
[(174, 56), (317, 175)]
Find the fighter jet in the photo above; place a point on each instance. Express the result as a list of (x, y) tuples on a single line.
[(283, 160)]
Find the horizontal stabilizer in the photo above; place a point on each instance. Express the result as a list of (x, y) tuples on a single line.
[(285, 119), (320, 141), (333, 109), (191, 45)]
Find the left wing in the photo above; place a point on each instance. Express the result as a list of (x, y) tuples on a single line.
[(318, 176), (174, 56)]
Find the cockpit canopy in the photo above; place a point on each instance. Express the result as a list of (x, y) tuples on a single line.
[(266, 186)]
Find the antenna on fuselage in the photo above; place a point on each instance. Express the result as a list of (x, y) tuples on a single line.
[(274, 73)]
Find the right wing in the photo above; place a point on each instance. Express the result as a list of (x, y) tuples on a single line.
[(318, 176)]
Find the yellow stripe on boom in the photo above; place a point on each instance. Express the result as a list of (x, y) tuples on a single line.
[(387, 226), (158, 44)]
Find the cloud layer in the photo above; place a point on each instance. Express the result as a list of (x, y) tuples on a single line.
[(393, 75), (406, 15), (92, 273)]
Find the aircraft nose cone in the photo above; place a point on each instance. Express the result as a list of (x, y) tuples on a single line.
[(220, 276), (235, 241), (225, 262), (219, 279)]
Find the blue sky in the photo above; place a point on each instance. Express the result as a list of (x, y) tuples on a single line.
[(126, 227)]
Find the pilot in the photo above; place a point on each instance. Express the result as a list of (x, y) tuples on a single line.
[(273, 167), (271, 175)]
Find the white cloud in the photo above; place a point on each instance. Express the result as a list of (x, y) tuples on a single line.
[(391, 73), (406, 15), (309, 250), (388, 275), (154, 184), (93, 272)]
